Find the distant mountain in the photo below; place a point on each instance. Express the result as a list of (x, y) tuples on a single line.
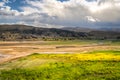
[(19, 32), (104, 35), (24, 32), (110, 29), (78, 29), (82, 29)]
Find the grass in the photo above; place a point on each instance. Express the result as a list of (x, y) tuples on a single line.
[(97, 65), (76, 42), (83, 42), (67, 42)]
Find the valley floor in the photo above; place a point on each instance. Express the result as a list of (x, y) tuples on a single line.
[(60, 60)]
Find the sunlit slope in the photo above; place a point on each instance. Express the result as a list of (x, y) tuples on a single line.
[(97, 65)]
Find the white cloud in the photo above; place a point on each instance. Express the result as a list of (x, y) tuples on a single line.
[(1, 4), (90, 18), (67, 13), (77, 9), (103, 9)]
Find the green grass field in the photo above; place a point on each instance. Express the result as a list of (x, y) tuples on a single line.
[(96, 65), (82, 42)]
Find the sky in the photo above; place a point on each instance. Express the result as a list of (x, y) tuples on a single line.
[(61, 13)]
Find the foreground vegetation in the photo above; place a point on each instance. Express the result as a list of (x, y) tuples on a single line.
[(97, 65)]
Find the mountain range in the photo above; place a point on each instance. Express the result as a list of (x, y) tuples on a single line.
[(25, 32)]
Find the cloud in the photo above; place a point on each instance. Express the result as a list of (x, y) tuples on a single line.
[(6, 10), (6, 1), (90, 18), (107, 10), (1, 4), (58, 13), (83, 13)]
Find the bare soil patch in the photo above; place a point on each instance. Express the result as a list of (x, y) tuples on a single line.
[(20, 49)]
